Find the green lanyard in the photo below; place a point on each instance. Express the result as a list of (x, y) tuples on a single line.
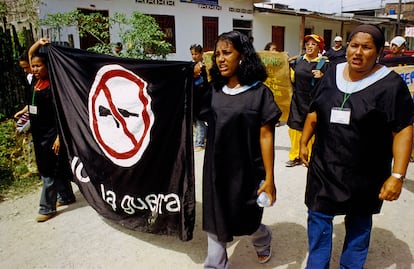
[(346, 97), (33, 97)]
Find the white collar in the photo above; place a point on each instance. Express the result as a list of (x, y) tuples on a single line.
[(237, 90), (356, 86)]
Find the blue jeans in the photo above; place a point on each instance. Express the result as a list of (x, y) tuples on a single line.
[(355, 248), (200, 133), (64, 190), (48, 196)]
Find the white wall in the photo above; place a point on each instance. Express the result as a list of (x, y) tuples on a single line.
[(319, 26), (263, 22), (262, 30), (188, 21), (188, 18)]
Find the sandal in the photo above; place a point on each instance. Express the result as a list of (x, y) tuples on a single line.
[(265, 255)]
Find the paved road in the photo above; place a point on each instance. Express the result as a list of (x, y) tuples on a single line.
[(79, 238)]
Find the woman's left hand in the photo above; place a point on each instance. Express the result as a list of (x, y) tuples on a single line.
[(391, 189), (317, 73), (269, 187), (56, 146)]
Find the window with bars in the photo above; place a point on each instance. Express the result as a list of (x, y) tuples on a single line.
[(89, 40), (210, 32), (243, 26), (167, 25)]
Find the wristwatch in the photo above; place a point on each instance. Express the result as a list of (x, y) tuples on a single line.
[(398, 176)]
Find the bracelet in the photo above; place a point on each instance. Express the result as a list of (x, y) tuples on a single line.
[(398, 176)]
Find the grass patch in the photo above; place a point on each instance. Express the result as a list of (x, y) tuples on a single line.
[(18, 171)]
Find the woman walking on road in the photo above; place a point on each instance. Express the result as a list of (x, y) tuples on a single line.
[(362, 116), (51, 159), (241, 115)]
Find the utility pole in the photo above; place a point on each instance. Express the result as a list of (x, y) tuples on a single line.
[(398, 18)]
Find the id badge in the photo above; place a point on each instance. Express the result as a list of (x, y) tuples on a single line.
[(340, 115), (33, 109)]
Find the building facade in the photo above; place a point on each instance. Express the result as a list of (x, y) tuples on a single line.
[(187, 22), (184, 22)]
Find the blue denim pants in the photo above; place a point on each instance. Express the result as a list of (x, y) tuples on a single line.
[(355, 248), (48, 196), (200, 127)]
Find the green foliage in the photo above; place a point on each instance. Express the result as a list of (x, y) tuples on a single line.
[(61, 20), (94, 24), (140, 34), (16, 174), (3, 9)]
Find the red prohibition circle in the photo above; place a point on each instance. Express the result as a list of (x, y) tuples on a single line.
[(102, 87)]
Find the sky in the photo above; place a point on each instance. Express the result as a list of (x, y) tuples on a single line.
[(335, 6)]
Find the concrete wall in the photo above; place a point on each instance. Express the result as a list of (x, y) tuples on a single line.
[(188, 17), (263, 22), (262, 30), (188, 21)]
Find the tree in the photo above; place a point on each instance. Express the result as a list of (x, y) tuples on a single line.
[(94, 24), (59, 21), (141, 35)]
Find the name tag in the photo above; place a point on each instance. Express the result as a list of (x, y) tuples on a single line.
[(340, 115), (33, 109)]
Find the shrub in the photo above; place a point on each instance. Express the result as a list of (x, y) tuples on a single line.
[(18, 172)]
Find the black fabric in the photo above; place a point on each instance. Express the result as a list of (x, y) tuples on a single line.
[(44, 130), (336, 56), (371, 29), (397, 61), (349, 163), (127, 126), (233, 165), (302, 92)]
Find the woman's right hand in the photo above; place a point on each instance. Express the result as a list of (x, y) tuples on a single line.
[(198, 69), (303, 155), (20, 113)]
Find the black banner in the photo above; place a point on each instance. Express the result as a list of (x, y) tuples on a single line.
[(127, 126), (397, 61)]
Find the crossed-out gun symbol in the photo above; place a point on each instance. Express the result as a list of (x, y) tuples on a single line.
[(104, 112)]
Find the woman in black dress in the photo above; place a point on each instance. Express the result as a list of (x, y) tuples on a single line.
[(51, 159), (362, 116), (241, 115), (308, 70)]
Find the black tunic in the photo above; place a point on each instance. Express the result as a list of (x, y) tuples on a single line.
[(302, 92), (336, 56), (350, 163), (233, 165), (44, 131)]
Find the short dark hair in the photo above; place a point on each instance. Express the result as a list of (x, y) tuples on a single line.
[(197, 48), (42, 56), (251, 68), (24, 57), (268, 45)]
